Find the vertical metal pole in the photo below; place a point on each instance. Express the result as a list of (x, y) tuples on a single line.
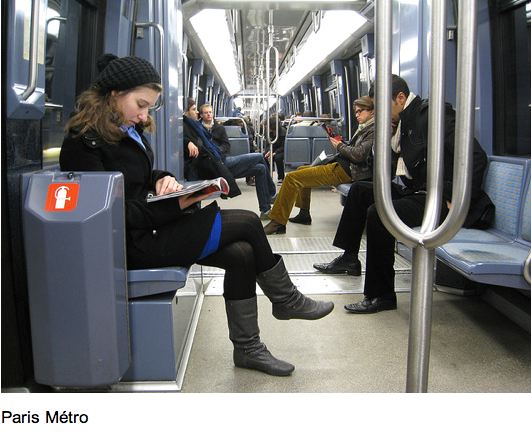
[(423, 258), (418, 355), (425, 241)]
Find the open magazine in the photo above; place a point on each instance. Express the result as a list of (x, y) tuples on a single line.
[(324, 159), (216, 187)]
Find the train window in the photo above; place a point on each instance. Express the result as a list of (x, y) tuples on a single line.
[(512, 71)]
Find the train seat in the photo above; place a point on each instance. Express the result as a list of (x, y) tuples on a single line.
[(239, 142), (94, 323), (497, 255), (300, 147)]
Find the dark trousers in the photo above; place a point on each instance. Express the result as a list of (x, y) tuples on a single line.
[(278, 158), (243, 253), (360, 212)]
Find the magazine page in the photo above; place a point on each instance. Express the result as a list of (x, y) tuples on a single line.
[(215, 187)]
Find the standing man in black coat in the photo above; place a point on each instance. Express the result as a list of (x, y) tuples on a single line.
[(410, 119)]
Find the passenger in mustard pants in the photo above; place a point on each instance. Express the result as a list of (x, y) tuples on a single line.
[(349, 164)]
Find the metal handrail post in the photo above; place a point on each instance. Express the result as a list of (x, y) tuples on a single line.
[(33, 51), (420, 309), (429, 237), (527, 268), (160, 31), (268, 138), (423, 259)]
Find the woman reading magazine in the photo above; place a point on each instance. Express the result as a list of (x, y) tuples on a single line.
[(106, 134)]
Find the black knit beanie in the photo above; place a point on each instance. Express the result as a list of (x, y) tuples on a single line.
[(122, 73)]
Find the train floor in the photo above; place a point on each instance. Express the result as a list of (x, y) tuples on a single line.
[(474, 348)]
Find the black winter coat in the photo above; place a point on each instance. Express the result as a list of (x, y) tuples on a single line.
[(413, 149), (159, 233), (220, 138)]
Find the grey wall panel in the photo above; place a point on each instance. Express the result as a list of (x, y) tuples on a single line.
[(484, 98), (173, 83), (118, 22)]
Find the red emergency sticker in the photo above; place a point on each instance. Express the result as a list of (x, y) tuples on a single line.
[(62, 197)]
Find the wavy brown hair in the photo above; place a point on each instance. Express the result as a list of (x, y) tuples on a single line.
[(98, 112)]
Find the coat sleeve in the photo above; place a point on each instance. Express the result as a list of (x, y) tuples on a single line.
[(221, 139), (360, 147), (139, 214), (479, 159)]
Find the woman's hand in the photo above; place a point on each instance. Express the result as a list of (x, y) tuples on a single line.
[(167, 184), (186, 201), (334, 142), (193, 151)]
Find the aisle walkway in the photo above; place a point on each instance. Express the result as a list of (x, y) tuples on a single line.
[(474, 348)]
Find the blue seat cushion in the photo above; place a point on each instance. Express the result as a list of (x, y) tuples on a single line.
[(490, 263), (146, 282), (479, 236)]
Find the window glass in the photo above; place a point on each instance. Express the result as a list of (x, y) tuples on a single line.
[(512, 111)]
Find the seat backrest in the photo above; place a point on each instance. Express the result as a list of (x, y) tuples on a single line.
[(320, 145), (308, 131), (297, 151), (239, 146), (233, 131), (504, 185)]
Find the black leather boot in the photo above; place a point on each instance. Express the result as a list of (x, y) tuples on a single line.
[(288, 302), (249, 351), (303, 217)]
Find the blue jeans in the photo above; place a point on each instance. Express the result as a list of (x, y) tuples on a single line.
[(254, 165)]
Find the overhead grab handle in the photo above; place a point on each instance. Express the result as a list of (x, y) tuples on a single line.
[(160, 31), (33, 50)]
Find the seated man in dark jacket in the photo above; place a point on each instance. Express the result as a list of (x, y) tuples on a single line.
[(244, 165), (202, 157), (410, 118)]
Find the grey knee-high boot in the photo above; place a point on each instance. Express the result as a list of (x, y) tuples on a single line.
[(288, 302), (249, 351)]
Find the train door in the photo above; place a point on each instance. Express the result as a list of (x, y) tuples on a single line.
[(69, 48)]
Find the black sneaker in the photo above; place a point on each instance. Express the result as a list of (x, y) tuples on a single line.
[(340, 265)]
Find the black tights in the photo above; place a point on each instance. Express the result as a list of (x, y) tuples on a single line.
[(243, 252)]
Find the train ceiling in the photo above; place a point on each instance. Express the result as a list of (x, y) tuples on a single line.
[(250, 23)]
